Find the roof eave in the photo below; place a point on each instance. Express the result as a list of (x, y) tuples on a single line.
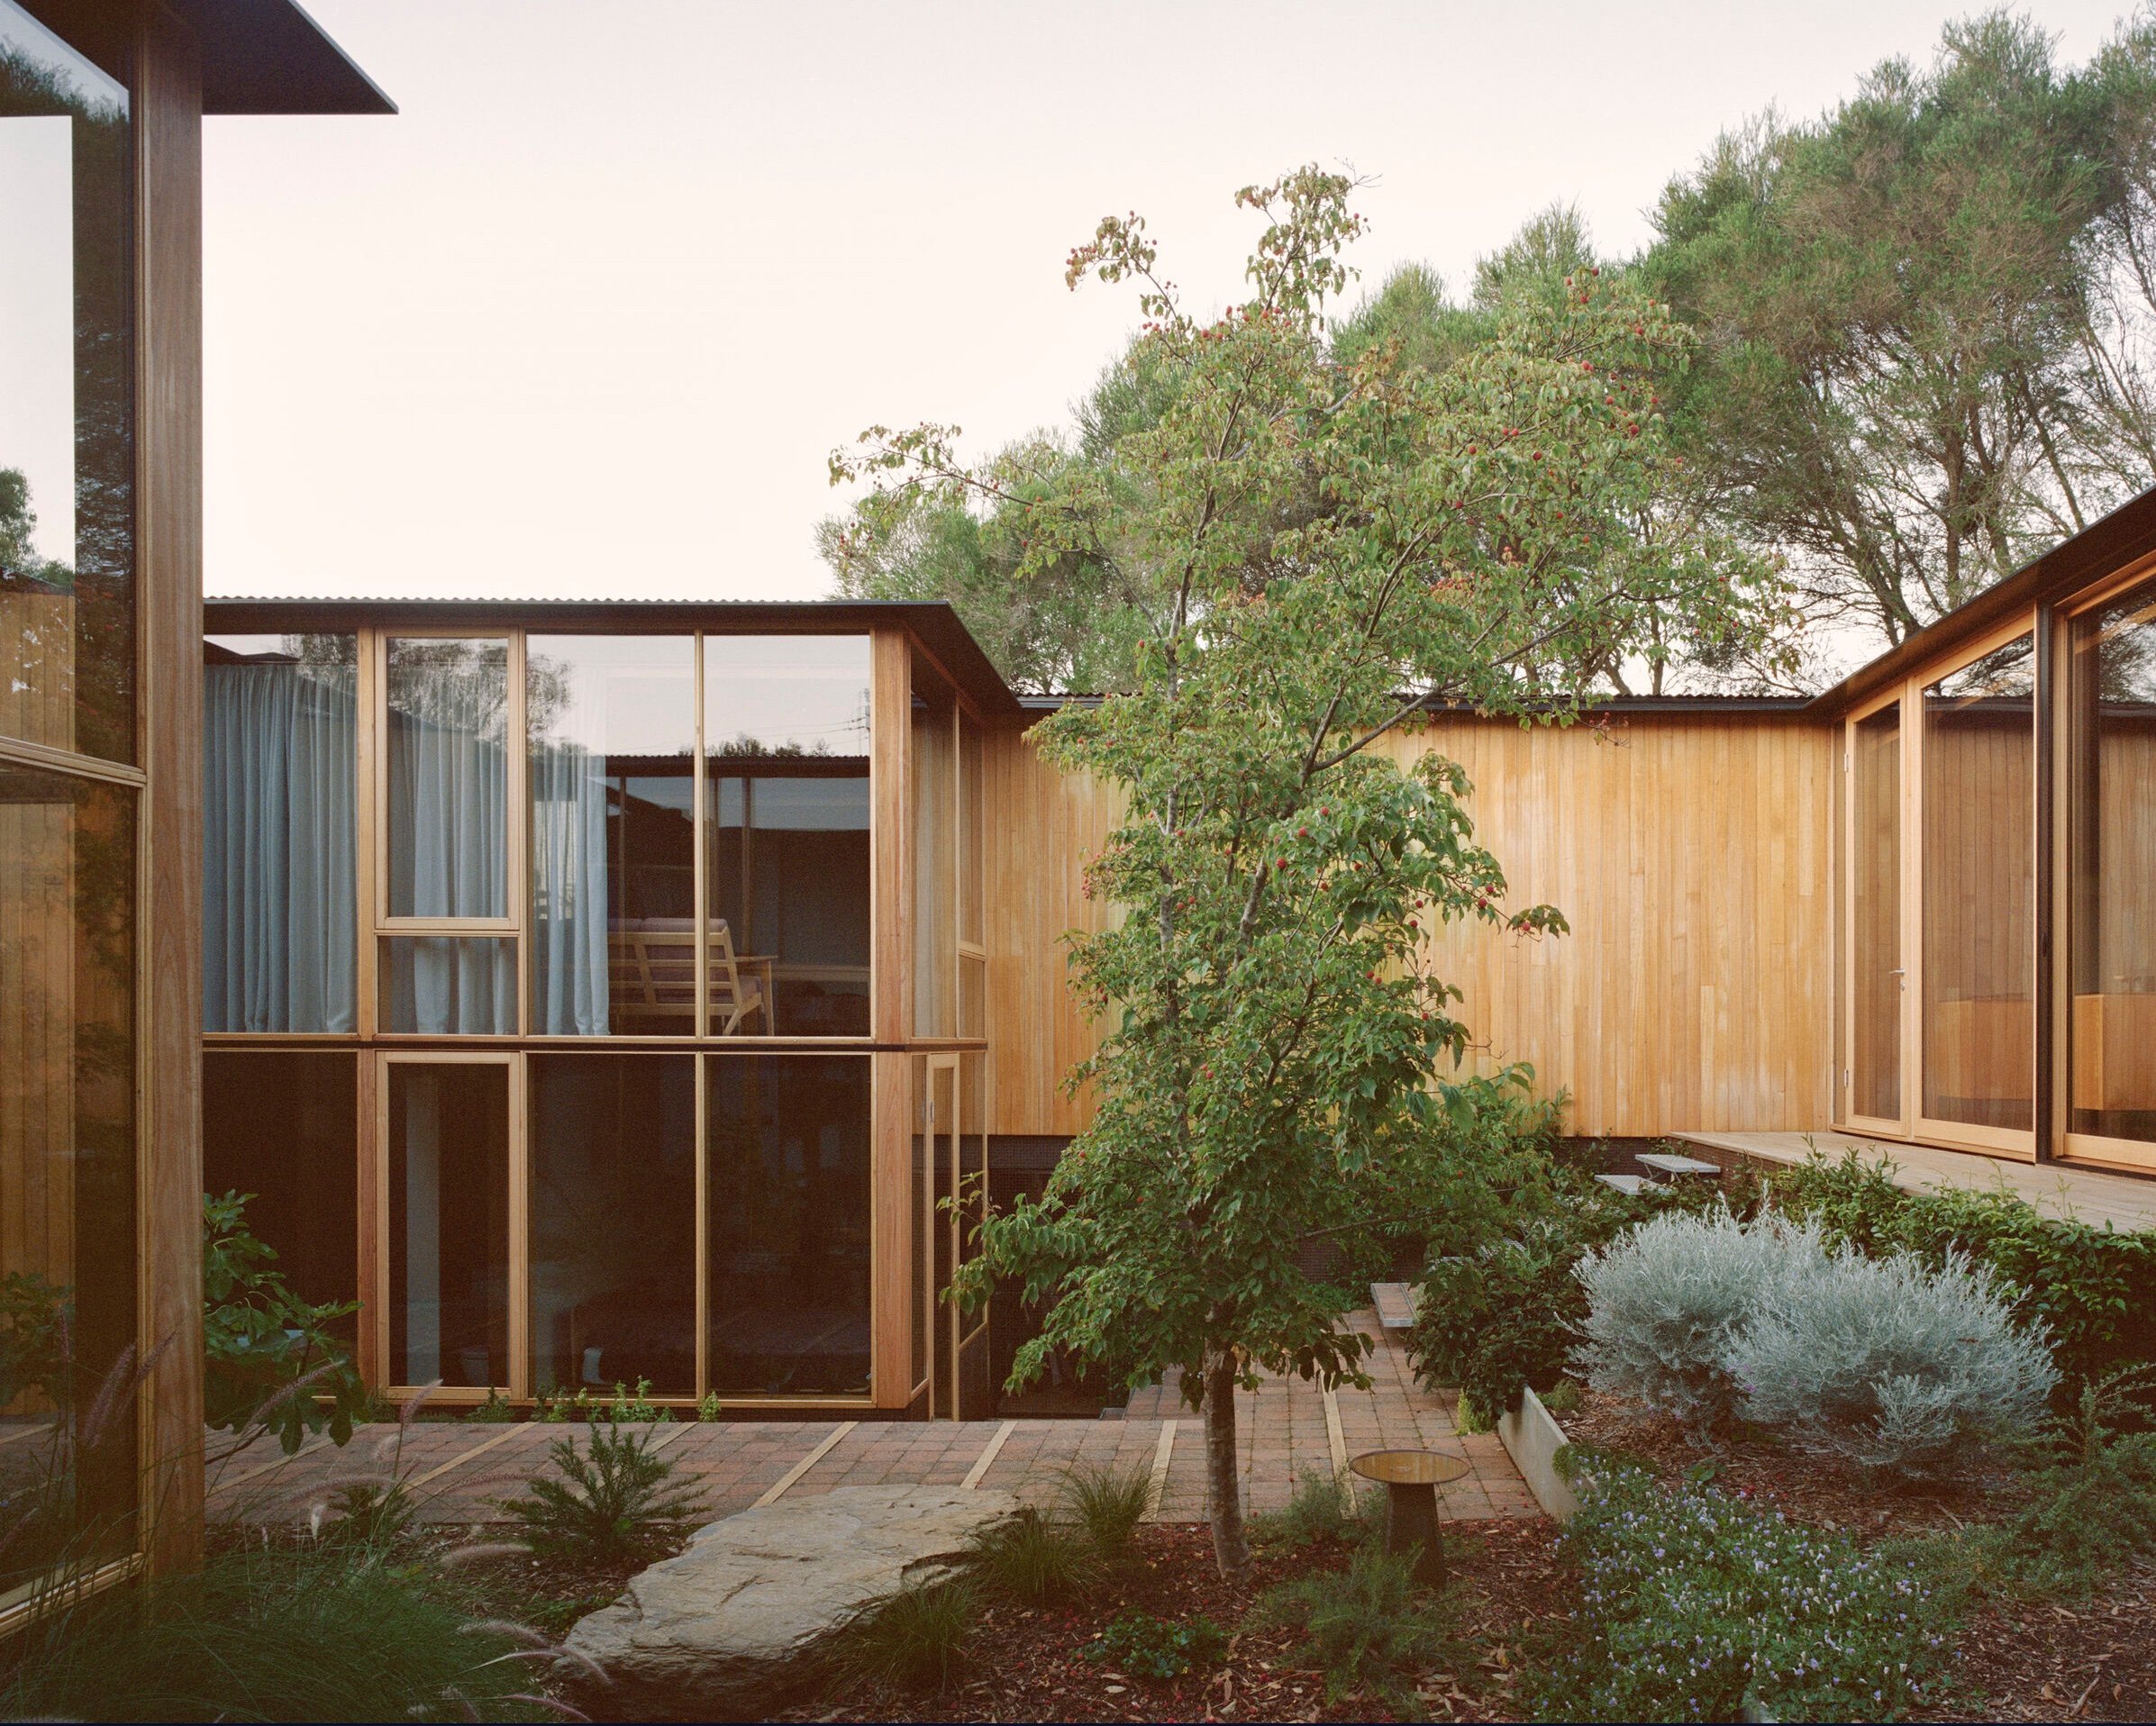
[(269, 57)]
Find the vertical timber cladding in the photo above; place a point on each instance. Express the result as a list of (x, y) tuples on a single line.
[(1689, 852)]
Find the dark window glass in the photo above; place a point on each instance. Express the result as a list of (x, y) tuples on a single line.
[(448, 1223), (789, 1224), (66, 1166), (613, 1220), (612, 727), (786, 726), (66, 397), (284, 1126), (279, 842), (1979, 892), (2114, 880)]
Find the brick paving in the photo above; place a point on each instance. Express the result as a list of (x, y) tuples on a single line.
[(460, 1471)]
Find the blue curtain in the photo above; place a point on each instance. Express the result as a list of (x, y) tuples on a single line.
[(569, 890), (279, 847)]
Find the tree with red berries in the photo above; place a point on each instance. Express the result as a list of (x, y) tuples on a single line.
[(1330, 550)]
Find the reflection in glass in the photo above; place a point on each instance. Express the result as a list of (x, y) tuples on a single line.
[(612, 728), (1979, 892), (789, 1224), (279, 844), (613, 1220), (284, 1126), (66, 397), (935, 855), (2113, 738), (972, 834), (786, 726), (448, 778), (1875, 904), (972, 1375), (448, 1223), (67, 1165), (444, 986)]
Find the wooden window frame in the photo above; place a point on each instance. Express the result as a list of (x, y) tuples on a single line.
[(1844, 1114)]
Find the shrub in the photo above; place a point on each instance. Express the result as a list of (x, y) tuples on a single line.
[(270, 1355), (2091, 1508), (1322, 1508), (1889, 1364), (1034, 1560), (1693, 1606), (610, 1506), (914, 1640), (268, 1634), (496, 1411), (2092, 1289), (1157, 1647), (1108, 1507), (1666, 1300), (1363, 1624)]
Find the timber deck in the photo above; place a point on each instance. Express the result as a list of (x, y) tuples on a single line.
[(460, 1471), (2089, 1195)]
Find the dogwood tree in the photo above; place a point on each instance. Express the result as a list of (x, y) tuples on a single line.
[(1328, 549)]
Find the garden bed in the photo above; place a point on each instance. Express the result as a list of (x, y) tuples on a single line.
[(1033, 1664), (1821, 1490)]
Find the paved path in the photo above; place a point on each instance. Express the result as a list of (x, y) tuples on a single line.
[(2095, 1196), (457, 1469)]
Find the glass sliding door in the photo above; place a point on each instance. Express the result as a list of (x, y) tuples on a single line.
[(973, 1385), (786, 737), (614, 1221), (787, 1228), (1979, 898), (284, 1125), (1876, 971), (451, 1225), (2112, 880)]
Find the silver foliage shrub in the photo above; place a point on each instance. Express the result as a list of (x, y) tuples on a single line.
[(1665, 1302), (1892, 1364)]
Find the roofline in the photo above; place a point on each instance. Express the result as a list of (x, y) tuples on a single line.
[(2099, 550), (932, 621), (265, 57)]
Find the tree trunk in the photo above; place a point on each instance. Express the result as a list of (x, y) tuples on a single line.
[(1224, 1488)]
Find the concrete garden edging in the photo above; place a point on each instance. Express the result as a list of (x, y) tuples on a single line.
[(1532, 1437)]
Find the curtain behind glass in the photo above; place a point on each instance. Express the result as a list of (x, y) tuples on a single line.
[(279, 907), (449, 839), (568, 910)]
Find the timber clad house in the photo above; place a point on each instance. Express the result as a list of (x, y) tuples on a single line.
[(612, 993)]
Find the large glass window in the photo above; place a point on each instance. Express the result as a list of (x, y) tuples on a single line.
[(449, 778), (279, 838), (613, 1220), (2114, 873), (786, 729), (1875, 909), (789, 1224), (935, 844), (284, 1125), (66, 397), (448, 1223), (612, 726), (1979, 892), (67, 1165), (440, 986)]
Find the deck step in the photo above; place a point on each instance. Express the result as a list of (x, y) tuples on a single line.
[(1628, 1184), (1670, 1166), (1394, 1303)]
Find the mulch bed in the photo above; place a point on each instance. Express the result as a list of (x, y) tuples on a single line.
[(1822, 1490), (1030, 1665), (2094, 1661)]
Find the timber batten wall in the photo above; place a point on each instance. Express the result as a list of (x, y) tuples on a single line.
[(1690, 853)]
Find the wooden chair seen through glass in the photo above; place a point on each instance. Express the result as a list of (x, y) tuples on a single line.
[(785, 738)]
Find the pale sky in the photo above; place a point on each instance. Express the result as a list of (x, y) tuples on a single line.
[(587, 316)]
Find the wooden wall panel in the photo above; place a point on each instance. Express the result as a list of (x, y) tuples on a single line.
[(1690, 856)]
